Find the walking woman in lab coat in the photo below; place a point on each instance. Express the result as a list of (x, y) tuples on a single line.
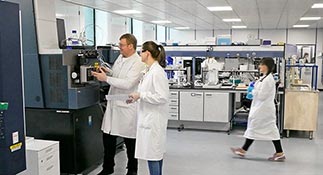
[(152, 95), (262, 116)]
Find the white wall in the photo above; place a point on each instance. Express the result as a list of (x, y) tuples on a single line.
[(239, 35), (275, 35), (319, 46), (221, 32), (46, 26), (301, 36), (201, 34), (205, 37), (295, 36), (182, 36)]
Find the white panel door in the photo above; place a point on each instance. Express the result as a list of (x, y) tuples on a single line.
[(216, 107), (191, 106)]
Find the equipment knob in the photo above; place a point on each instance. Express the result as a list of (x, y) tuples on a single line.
[(74, 75)]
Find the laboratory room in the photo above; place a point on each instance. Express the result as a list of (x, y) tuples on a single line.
[(161, 87)]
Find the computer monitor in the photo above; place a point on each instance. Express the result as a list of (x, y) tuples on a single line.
[(61, 34)]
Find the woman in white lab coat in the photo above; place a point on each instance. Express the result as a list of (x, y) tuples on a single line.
[(153, 96), (262, 116)]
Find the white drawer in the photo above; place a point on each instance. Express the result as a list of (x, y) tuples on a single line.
[(173, 116), (43, 161), (173, 109), (51, 167), (49, 150), (173, 95), (173, 102)]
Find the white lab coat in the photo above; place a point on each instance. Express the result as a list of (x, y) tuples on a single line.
[(152, 114), (262, 116), (120, 118)]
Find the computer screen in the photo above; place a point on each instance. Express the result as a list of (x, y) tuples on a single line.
[(61, 34)]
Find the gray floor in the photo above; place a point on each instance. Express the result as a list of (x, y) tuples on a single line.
[(207, 153)]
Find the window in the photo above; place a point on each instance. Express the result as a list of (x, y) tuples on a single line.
[(109, 27), (138, 30), (77, 18), (149, 32), (161, 33), (101, 28), (87, 29)]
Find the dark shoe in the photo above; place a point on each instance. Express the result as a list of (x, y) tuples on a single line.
[(105, 172), (132, 173)]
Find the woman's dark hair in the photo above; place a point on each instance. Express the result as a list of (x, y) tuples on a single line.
[(156, 51), (270, 63)]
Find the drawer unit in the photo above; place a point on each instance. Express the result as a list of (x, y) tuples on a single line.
[(173, 102), (173, 95), (42, 158), (173, 109), (173, 105), (173, 116)]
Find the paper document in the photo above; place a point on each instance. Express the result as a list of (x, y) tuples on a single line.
[(120, 97)]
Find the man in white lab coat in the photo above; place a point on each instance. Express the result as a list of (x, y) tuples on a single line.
[(120, 118)]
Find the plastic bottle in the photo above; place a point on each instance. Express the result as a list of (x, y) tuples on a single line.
[(74, 39)]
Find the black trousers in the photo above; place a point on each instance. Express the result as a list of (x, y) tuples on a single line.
[(109, 143), (277, 144)]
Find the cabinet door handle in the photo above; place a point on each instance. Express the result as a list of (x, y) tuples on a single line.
[(198, 94), (209, 95), (173, 108), (48, 158), (173, 101), (49, 150), (50, 167)]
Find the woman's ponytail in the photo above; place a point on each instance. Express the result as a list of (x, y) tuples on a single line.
[(157, 52), (161, 56)]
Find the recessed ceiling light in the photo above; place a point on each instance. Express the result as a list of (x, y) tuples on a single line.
[(310, 18), (182, 28), (239, 27), (220, 8), (232, 20), (126, 12), (161, 22), (317, 5), (300, 26)]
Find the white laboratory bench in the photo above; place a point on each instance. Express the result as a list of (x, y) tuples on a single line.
[(205, 108), (201, 108)]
